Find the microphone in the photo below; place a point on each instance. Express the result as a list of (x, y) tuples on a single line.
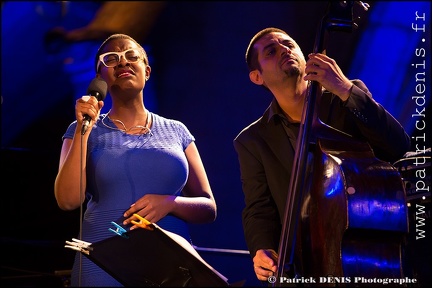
[(97, 88)]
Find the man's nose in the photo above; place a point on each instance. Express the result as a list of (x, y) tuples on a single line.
[(285, 50)]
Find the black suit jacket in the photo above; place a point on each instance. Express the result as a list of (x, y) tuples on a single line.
[(266, 155)]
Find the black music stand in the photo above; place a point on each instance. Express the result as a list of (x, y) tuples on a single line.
[(153, 258)]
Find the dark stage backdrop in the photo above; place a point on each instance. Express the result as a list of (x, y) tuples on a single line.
[(199, 76)]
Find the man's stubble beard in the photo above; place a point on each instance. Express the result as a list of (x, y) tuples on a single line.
[(293, 72)]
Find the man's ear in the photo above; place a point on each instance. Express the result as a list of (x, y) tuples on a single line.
[(255, 77)]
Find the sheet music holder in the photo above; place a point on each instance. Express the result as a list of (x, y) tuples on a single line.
[(152, 258)]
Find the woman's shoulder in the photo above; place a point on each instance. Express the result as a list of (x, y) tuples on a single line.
[(165, 121), (169, 126)]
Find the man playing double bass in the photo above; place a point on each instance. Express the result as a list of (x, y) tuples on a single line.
[(266, 147)]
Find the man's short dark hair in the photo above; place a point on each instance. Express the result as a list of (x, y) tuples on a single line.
[(251, 54)]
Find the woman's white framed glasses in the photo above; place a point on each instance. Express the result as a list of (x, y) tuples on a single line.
[(111, 59)]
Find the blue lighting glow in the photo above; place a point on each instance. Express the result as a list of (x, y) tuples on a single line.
[(386, 53)]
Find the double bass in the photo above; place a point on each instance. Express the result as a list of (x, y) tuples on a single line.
[(345, 209)]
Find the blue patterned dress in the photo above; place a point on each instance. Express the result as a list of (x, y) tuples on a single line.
[(121, 168)]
